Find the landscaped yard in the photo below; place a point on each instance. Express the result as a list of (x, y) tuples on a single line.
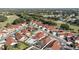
[(19, 46), (22, 45)]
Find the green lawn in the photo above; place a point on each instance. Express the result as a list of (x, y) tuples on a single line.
[(71, 26), (74, 27), (10, 19), (20, 46)]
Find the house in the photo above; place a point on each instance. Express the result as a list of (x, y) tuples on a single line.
[(39, 35), (2, 40), (30, 28), (39, 23), (45, 40), (36, 23), (10, 41), (35, 38), (26, 32), (20, 37), (49, 27), (13, 28), (50, 43), (31, 41), (23, 38), (56, 45), (33, 22), (9, 30)]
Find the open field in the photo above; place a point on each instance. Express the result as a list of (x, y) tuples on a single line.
[(71, 26), (10, 19), (74, 27)]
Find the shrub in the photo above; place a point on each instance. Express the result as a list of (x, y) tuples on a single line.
[(3, 18), (65, 26), (20, 20)]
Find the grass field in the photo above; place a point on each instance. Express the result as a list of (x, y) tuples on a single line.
[(74, 27), (10, 19), (71, 26)]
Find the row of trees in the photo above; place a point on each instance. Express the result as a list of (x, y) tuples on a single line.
[(64, 26), (47, 22), (76, 22), (36, 17), (22, 18), (19, 20)]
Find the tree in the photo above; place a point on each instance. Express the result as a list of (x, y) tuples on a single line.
[(3, 18), (64, 26), (72, 30), (8, 24), (20, 20), (47, 22), (78, 30)]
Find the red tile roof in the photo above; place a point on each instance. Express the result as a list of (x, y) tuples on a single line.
[(49, 27), (31, 28), (1, 32), (9, 40), (18, 36), (56, 45), (39, 23), (47, 39), (39, 35), (24, 31), (14, 26)]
